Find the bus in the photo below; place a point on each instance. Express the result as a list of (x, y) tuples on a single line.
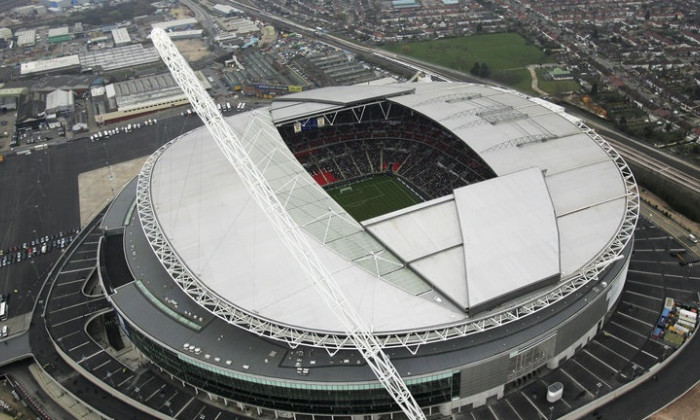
[(3, 311)]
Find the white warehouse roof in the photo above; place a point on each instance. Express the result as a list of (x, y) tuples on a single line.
[(558, 200), (175, 23), (50, 64), (60, 98), (121, 36)]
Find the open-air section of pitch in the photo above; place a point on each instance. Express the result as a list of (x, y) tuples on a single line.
[(374, 196)]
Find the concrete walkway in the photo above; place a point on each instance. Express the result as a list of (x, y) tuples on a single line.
[(535, 84)]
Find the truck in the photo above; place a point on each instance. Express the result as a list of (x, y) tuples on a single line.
[(228, 106)]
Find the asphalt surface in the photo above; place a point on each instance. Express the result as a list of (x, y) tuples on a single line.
[(39, 197)]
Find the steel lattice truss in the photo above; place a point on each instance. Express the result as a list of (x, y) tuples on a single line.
[(289, 232), (411, 340)]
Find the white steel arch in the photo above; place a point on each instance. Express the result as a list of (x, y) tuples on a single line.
[(290, 233)]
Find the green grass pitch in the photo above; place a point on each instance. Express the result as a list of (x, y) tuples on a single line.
[(373, 197)]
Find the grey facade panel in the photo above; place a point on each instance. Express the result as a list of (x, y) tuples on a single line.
[(483, 376)]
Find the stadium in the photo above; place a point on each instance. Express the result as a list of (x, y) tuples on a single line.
[(483, 236)]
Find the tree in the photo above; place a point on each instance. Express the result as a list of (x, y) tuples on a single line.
[(647, 15), (594, 89), (476, 69), (485, 71), (623, 122)]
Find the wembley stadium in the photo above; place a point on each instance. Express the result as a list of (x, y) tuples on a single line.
[(481, 235)]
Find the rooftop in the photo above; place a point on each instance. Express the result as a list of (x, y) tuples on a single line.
[(558, 201)]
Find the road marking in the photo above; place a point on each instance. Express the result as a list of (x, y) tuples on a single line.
[(119, 385), (644, 296), (628, 329), (68, 283), (513, 409), (533, 404), (155, 392), (101, 365), (592, 374), (653, 311), (596, 358), (66, 295), (79, 346), (611, 350), (75, 270), (91, 356), (648, 324), (185, 406), (74, 306)]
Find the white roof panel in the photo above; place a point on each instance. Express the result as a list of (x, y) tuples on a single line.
[(580, 187), (446, 271), (510, 234), (580, 233), (554, 156), (429, 228)]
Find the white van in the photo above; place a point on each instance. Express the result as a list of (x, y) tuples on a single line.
[(4, 331)]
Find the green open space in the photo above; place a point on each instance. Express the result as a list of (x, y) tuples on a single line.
[(373, 197), (501, 52), (555, 87)]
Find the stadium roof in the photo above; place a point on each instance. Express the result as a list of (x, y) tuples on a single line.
[(558, 203)]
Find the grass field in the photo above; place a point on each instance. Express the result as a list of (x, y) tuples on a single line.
[(555, 87), (373, 197), (500, 52)]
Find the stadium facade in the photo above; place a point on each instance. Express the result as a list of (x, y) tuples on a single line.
[(509, 265)]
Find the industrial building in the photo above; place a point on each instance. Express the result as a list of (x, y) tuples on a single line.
[(515, 255), (185, 23), (5, 33), (121, 37), (26, 38), (259, 74), (131, 98), (61, 34), (132, 55), (65, 64), (60, 102), (339, 70)]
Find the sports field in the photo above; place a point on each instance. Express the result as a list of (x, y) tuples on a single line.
[(373, 197), (506, 54), (501, 52)]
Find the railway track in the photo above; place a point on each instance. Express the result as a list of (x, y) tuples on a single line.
[(663, 169)]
